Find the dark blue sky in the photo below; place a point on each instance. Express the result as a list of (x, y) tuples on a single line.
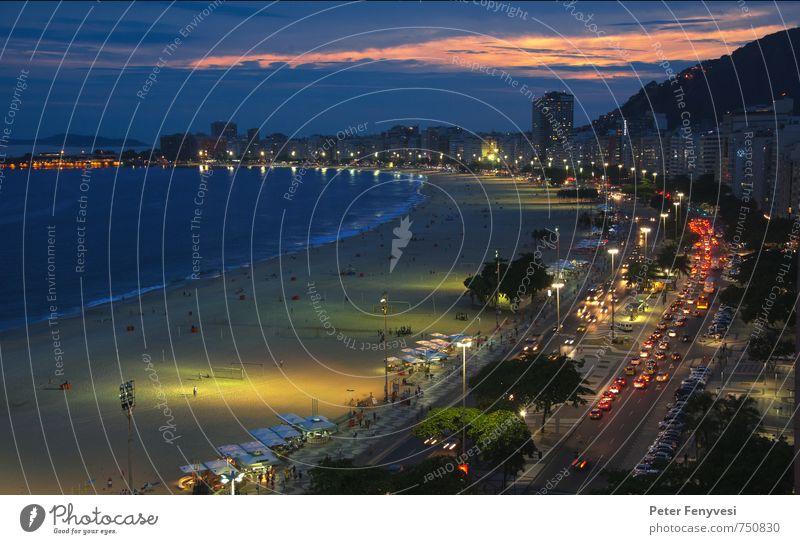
[(320, 67)]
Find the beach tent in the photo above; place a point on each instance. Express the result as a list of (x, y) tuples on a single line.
[(285, 431), (441, 343), (427, 344), (412, 359), (257, 461), (218, 466), (409, 350), (320, 423), (292, 419), (254, 447), (439, 335), (268, 437), (231, 450), (191, 469)]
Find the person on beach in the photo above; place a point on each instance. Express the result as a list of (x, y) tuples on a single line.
[(194, 391)]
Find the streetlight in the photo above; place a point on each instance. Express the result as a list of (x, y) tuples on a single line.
[(677, 214), (234, 477), (646, 231), (497, 290), (464, 343), (558, 255), (680, 200), (557, 286), (613, 251), (127, 399), (664, 222), (385, 309)]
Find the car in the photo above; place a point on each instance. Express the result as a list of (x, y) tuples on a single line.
[(569, 340), (660, 355), (644, 354), (621, 381), (639, 383), (676, 356), (604, 405), (656, 335), (662, 376), (635, 360), (648, 345), (580, 328), (630, 371), (662, 325), (686, 338), (663, 345), (646, 376), (531, 345), (580, 463), (672, 333), (609, 396), (645, 469), (592, 318), (614, 389), (667, 316), (595, 413)]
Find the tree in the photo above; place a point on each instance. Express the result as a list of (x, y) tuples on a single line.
[(342, 477), (640, 274), (529, 274), (669, 259), (541, 382), (500, 437)]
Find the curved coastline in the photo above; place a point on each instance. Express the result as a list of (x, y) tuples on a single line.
[(414, 199)]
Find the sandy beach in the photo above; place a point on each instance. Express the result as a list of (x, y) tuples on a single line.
[(300, 329)]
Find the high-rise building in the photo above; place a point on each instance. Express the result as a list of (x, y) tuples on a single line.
[(253, 136), (224, 129), (179, 147), (552, 123)]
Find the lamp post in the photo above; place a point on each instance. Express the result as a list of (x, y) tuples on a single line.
[(680, 204), (385, 309), (557, 286), (558, 255), (612, 252), (497, 289), (664, 222), (127, 399), (645, 231), (677, 215), (464, 343), (234, 477)]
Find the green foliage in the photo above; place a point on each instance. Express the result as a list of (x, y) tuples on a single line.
[(501, 437), (342, 477), (519, 281), (541, 382)]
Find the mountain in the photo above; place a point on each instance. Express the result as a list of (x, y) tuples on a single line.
[(83, 140), (755, 74)]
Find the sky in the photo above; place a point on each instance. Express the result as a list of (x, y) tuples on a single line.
[(144, 69)]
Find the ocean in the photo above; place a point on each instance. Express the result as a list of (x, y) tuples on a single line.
[(106, 234)]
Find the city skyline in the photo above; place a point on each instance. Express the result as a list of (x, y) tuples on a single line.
[(171, 70)]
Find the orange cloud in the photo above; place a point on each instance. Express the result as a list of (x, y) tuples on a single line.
[(528, 54)]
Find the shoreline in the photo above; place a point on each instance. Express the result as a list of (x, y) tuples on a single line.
[(185, 282), (260, 319)]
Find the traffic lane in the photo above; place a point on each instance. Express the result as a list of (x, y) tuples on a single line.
[(633, 416)]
